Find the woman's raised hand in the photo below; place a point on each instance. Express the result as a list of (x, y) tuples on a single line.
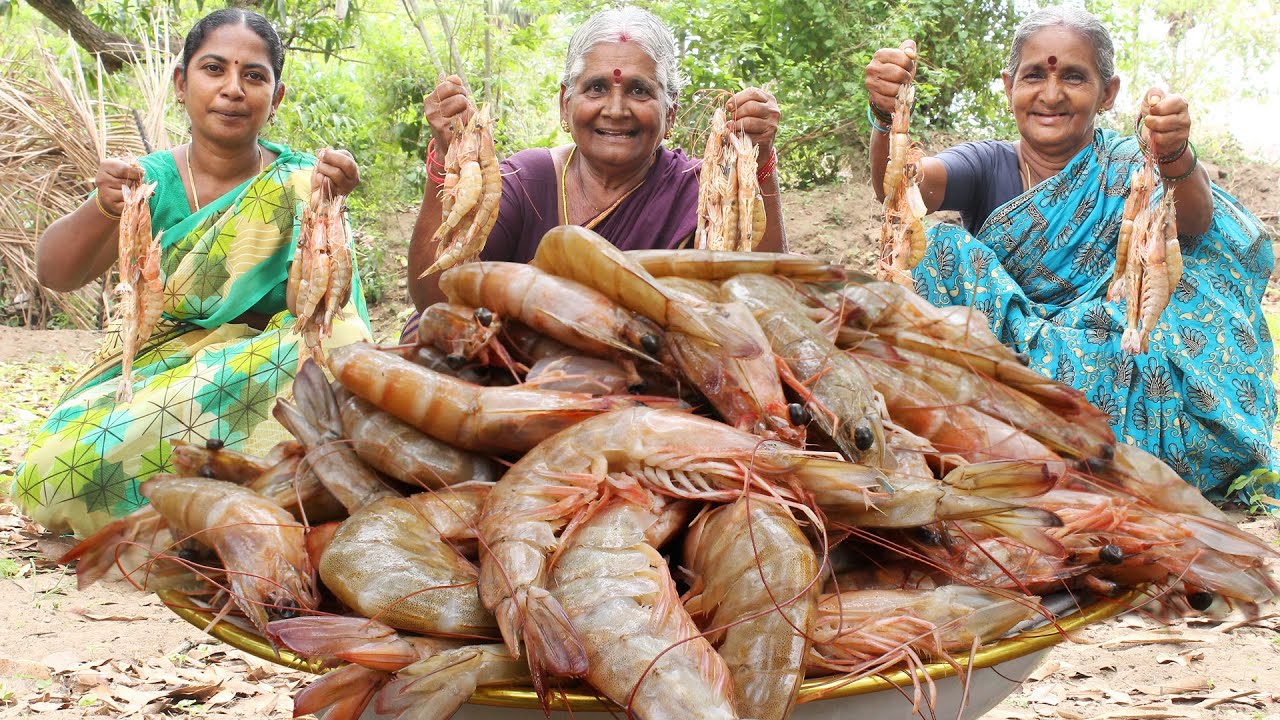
[(112, 175), (755, 112), (339, 167), (888, 70), (1167, 120), (448, 101)]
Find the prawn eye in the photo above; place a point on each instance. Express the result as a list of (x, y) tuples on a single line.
[(206, 472), (454, 361), (638, 388), (1200, 601), (863, 438), (214, 443), (1023, 358), (799, 414), (928, 535), (1107, 452), (188, 554), (1111, 554), (650, 343), (484, 316), (287, 609)]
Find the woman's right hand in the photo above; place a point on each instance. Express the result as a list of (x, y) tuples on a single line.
[(112, 175), (448, 101), (888, 70)]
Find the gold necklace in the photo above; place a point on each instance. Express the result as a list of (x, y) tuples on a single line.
[(564, 194), (192, 176)]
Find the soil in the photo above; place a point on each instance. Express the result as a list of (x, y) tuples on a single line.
[(109, 651)]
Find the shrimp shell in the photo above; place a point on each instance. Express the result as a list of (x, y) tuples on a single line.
[(713, 265), (260, 544), (758, 576), (643, 650), (393, 560), (472, 417)]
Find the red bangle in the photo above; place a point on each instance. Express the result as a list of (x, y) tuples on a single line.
[(769, 166)]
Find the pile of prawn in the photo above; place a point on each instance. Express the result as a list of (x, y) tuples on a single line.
[(902, 237), (688, 480), (470, 194), (731, 213), (320, 275), (140, 290)]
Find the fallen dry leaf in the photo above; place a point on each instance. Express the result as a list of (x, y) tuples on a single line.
[(1233, 696), (1171, 636), (65, 661), (1146, 712), (83, 612), (1185, 685), (1044, 671)]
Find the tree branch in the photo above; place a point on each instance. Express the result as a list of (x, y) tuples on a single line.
[(115, 50)]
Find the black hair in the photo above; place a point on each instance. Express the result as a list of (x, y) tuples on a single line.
[(235, 16)]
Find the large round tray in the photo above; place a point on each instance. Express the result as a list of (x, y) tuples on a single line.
[(992, 672)]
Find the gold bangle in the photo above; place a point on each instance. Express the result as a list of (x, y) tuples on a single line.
[(97, 200)]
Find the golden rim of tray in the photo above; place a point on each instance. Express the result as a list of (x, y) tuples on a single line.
[(820, 688)]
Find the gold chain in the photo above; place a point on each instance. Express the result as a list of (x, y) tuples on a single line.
[(196, 195)]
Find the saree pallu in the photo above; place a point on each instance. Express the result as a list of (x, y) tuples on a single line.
[(1202, 397), (200, 375)]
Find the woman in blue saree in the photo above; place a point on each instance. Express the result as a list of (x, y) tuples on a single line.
[(224, 348), (1042, 218)]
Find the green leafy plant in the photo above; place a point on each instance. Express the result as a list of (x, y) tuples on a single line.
[(1252, 487)]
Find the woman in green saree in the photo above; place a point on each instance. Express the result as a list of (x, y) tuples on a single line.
[(228, 206)]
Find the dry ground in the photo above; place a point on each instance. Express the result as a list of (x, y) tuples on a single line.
[(107, 652)]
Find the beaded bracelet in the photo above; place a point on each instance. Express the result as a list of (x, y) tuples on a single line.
[(883, 129), (767, 169), (1195, 162), (97, 200)]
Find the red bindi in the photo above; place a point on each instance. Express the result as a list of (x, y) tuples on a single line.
[(617, 76), (623, 36), (1053, 60)]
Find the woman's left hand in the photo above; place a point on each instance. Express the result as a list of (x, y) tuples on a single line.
[(1167, 120), (755, 112), (339, 167)]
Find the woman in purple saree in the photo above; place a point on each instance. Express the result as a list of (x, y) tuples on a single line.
[(618, 101)]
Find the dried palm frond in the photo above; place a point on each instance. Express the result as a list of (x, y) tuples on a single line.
[(54, 132)]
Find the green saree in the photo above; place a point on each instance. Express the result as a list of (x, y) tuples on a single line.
[(200, 375)]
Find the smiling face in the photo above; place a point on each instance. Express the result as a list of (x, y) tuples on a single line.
[(228, 87), (1057, 91), (615, 112)]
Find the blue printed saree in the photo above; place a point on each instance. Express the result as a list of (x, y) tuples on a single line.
[(1202, 396), (200, 375)]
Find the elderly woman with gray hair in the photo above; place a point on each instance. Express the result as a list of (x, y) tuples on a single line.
[(1042, 217), (618, 101)]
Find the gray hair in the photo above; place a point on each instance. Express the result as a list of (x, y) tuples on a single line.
[(635, 25), (1072, 18)]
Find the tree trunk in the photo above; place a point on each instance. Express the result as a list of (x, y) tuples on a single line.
[(115, 50)]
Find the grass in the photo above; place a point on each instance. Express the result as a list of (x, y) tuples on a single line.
[(30, 390)]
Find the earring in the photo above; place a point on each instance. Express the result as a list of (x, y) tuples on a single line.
[(667, 136), (272, 118), (564, 125), (182, 101)]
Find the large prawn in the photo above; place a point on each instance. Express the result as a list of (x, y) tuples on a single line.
[(140, 291)]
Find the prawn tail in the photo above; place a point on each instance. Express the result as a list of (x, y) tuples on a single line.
[(1007, 478), (549, 637), (435, 687), (1023, 524), (345, 691), (357, 640), (737, 343)]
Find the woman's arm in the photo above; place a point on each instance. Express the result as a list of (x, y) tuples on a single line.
[(888, 70), (81, 245), (755, 112), (1166, 129), (449, 100)]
